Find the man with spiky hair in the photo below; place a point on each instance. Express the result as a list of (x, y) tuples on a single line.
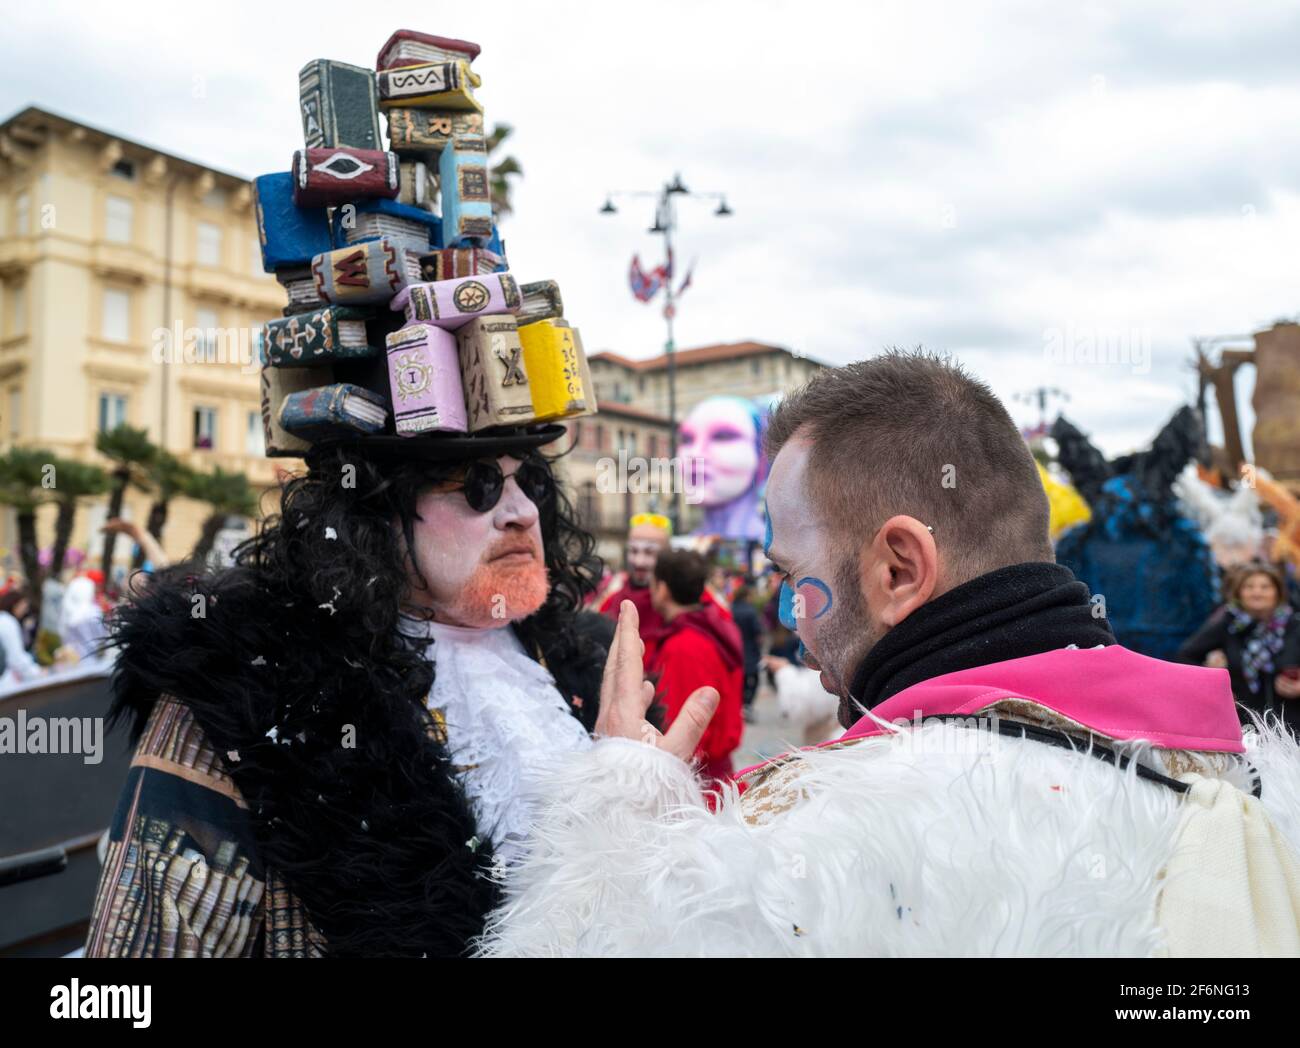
[(336, 738), (1011, 780)]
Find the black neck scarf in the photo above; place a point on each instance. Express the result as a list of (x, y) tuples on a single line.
[(1024, 609)]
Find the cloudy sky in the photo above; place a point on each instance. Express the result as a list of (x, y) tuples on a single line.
[(1058, 197)]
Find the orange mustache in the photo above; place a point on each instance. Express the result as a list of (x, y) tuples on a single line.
[(509, 546)]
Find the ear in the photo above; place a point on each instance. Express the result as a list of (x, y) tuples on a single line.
[(899, 570)]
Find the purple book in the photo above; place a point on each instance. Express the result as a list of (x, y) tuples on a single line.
[(454, 303), (424, 375)]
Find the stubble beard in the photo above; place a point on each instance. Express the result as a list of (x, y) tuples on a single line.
[(846, 639)]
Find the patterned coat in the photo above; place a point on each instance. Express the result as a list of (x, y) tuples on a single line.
[(182, 877)]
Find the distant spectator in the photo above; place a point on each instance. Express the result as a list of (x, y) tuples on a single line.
[(700, 646), (1256, 637), (81, 623), (648, 536), (751, 635), (809, 707), (19, 664)]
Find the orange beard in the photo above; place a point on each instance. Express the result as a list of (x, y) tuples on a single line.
[(500, 592)]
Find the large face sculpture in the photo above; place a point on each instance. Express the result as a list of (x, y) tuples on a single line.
[(483, 569), (719, 443)]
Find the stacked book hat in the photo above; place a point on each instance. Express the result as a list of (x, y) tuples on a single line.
[(405, 331)]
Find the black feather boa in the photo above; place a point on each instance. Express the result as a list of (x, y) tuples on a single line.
[(350, 793)]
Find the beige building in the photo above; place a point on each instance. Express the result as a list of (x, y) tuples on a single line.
[(743, 369), (131, 290)]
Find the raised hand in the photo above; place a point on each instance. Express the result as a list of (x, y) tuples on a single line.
[(625, 695)]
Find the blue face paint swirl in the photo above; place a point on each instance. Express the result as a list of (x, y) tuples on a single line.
[(785, 608), (823, 589)]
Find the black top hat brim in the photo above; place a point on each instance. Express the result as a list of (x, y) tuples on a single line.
[(450, 447)]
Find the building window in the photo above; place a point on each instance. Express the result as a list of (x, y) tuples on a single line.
[(600, 437), (253, 433), (755, 366), (209, 244), (588, 506), (18, 309), (23, 214), (124, 169), (654, 445), (15, 413), (215, 198), (640, 384), (117, 220), (205, 349), (205, 428), (112, 411), (116, 322)]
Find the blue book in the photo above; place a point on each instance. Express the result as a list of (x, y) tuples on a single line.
[(412, 227), (498, 247), (289, 235), (335, 411), (466, 195)]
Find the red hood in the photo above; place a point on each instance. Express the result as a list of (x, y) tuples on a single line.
[(713, 622)]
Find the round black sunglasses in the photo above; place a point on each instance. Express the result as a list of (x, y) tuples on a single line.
[(484, 481)]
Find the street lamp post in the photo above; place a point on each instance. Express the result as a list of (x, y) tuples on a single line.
[(665, 225)]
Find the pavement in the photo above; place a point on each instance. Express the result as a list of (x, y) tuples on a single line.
[(770, 735)]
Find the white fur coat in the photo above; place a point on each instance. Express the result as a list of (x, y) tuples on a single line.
[(939, 841)]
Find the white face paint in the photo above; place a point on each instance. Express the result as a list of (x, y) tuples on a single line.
[(833, 624), (644, 544), (483, 569)]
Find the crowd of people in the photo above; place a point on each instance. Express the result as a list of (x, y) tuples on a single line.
[(59, 622), (704, 623)]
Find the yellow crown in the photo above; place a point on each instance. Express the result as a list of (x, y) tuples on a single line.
[(657, 520)]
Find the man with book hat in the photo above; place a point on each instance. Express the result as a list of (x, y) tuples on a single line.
[(336, 737)]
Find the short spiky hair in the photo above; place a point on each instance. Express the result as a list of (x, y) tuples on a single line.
[(911, 432)]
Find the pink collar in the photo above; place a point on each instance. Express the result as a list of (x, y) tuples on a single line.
[(1112, 691)]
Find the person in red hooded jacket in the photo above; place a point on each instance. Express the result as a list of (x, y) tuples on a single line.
[(699, 645)]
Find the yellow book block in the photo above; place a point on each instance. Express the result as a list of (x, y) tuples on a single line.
[(434, 85), (557, 370)]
